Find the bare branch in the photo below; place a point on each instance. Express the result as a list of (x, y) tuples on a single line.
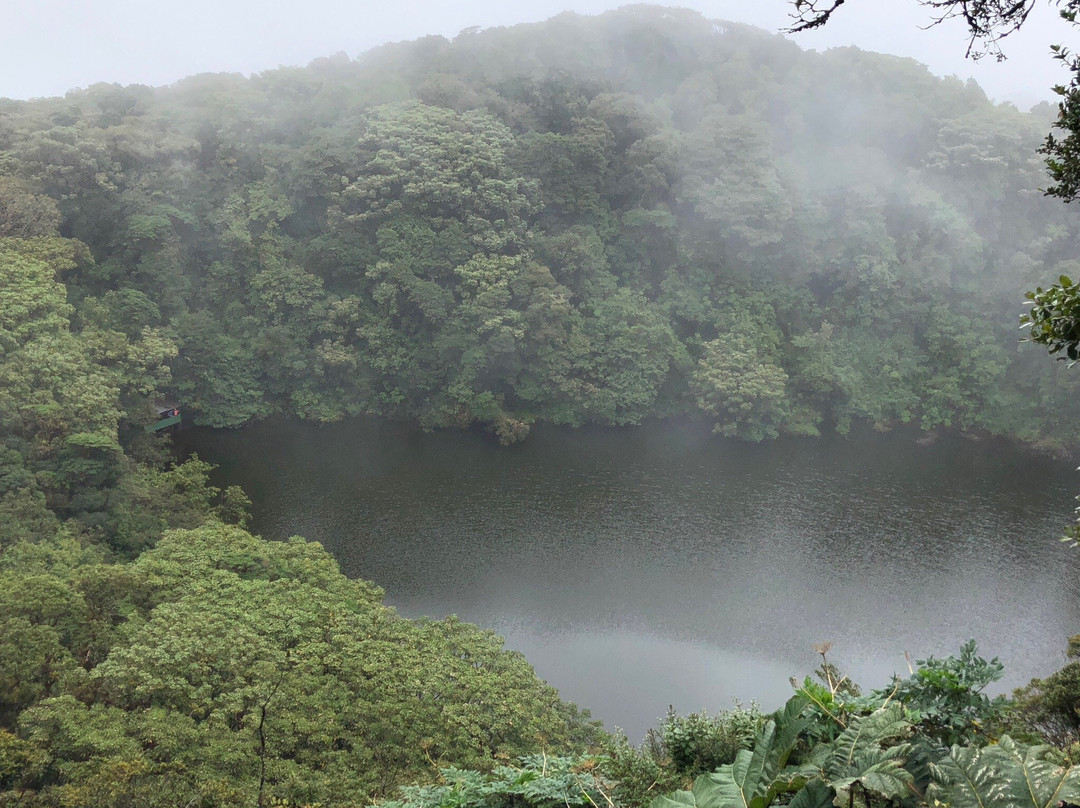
[(988, 21), (808, 16)]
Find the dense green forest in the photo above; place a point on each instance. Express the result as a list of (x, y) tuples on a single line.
[(589, 220), (153, 652)]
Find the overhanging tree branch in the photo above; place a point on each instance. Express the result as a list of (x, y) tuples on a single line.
[(808, 15), (988, 21)]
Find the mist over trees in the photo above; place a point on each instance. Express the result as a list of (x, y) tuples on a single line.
[(586, 220)]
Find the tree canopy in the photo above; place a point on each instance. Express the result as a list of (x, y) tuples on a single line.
[(440, 232)]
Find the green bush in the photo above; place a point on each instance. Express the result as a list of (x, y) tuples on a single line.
[(539, 782), (699, 742), (637, 775), (946, 695), (1049, 708)]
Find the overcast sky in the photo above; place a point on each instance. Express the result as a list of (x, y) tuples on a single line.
[(50, 46)]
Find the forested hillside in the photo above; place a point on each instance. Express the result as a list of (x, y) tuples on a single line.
[(153, 652), (587, 220)]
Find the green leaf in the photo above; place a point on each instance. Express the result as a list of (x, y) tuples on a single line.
[(858, 756), (703, 795), (967, 778), (870, 731), (816, 794), (1008, 775), (1043, 782)]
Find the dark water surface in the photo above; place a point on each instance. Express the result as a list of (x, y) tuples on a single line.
[(644, 567)]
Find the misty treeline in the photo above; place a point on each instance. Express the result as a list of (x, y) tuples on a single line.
[(586, 220)]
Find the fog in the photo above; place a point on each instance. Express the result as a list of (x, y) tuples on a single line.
[(50, 46)]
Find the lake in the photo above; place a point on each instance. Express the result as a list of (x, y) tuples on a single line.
[(652, 566)]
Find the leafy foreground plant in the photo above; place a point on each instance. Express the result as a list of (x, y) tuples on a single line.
[(540, 782), (1007, 775), (876, 761), (860, 761)]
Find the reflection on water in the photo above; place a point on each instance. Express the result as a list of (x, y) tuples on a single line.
[(644, 567)]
